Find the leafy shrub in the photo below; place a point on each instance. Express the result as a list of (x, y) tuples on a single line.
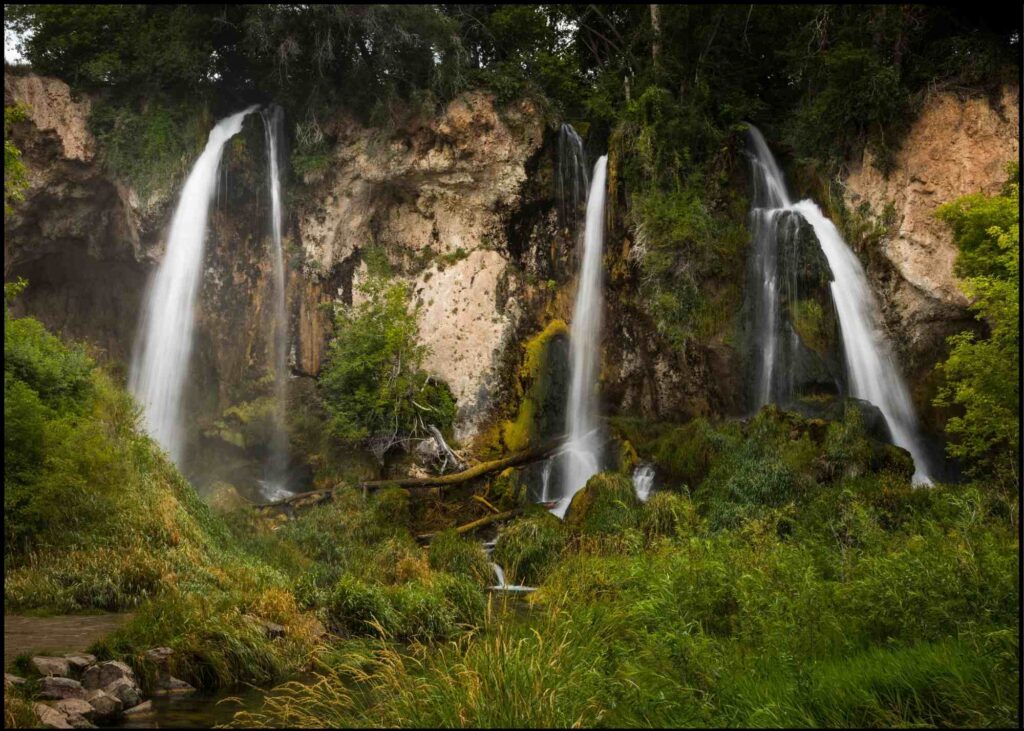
[(460, 556), (372, 383), (527, 547)]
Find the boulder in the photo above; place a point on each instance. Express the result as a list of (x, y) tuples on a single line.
[(124, 690), (606, 504), (159, 655), (58, 689), (50, 665), (105, 707), (50, 717), (170, 685), (79, 661), (76, 706), (140, 710), (103, 674), (272, 629), (76, 720), (10, 679)]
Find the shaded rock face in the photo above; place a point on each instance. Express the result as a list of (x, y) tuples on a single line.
[(809, 358), (75, 233), (436, 197), (957, 146)]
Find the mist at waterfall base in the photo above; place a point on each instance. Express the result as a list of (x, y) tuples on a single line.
[(581, 457), (871, 370), (275, 482), (163, 345)]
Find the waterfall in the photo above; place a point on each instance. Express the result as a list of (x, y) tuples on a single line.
[(871, 368), (275, 484), (571, 176), (163, 345), (643, 481), (580, 460), (502, 585)]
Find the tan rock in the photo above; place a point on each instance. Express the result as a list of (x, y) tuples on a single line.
[(956, 147), (51, 107)]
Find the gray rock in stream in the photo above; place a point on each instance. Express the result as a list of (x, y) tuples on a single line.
[(76, 707), (50, 717), (102, 675), (79, 661), (105, 706), (50, 665), (58, 689), (173, 686), (124, 690), (140, 710)]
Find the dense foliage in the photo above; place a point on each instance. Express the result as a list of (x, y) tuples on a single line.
[(373, 384), (982, 375), (15, 179)]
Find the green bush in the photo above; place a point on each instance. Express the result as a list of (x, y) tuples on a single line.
[(669, 514), (372, 384), (461, 556), (528, 546)]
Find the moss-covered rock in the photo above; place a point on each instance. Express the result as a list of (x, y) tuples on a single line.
[(607, 504), (541, 384)]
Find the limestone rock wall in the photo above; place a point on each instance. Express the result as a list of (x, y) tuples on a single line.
[(436, 197), (957, 146)]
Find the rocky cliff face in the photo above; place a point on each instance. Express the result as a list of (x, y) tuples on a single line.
[(957, 146), (75, 237), (436, 198)]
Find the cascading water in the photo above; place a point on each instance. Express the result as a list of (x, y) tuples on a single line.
[(643, 481), (572, 176), (163, 346), (275, 484), (871, 369), (580, 459)]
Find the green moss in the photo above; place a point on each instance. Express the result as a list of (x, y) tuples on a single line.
[(535, 416), (606, 505), (808, 318)]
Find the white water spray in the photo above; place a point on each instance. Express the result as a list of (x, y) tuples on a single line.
[(871, 369), (275, 485), (580, 460), (643, 481), (163, 345)]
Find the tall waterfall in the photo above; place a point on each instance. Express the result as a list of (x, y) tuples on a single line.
[(275, 482), (580, 459), (163, 345), (871, 368)]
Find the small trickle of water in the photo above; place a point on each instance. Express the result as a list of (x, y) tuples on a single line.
[(163, 347), (643, 481), (502, 585)]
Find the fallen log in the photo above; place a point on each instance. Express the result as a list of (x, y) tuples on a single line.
[(439, 482), (479, 523)]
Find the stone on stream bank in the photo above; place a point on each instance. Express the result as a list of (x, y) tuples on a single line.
[(108, 690), (43, 665)]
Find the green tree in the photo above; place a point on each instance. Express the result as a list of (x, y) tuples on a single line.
[(15, 179), (982, 375), (373, 385)]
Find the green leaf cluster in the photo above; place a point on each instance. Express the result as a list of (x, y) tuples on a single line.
[(982, 374), (373, 383)]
